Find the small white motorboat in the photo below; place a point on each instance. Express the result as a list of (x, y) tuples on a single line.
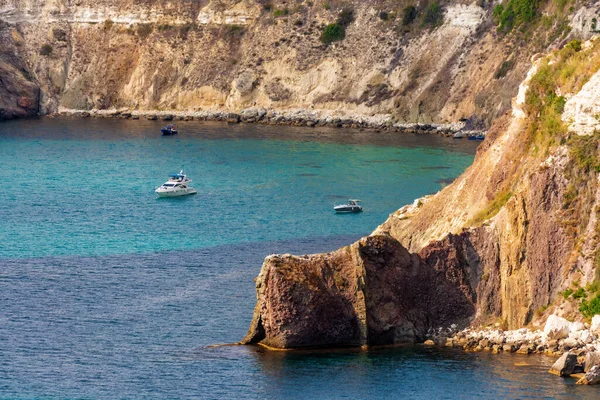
[(177, 185), (352, 206)]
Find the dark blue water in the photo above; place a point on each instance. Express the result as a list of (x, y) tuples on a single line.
[(107, 292)]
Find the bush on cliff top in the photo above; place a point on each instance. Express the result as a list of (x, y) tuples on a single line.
[(144, 30), (409, 14), (434, 15), (515, 13), (46, 50), (333, 33)]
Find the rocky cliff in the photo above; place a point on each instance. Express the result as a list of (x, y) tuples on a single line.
[(514, 238), (419, 64)]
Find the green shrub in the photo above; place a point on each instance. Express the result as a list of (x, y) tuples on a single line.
[(560, 4), (567, 293), (108, 24), (492, 208), (144, 30), (409, 14), (434, 14), (574, 45), (579, 294), (327, 5), (46, 50), (332, 33), (504, 68), (281, 12), (584, 151), (591, 308), (514, 13), (384, 16), (233, 31), (346, 17)]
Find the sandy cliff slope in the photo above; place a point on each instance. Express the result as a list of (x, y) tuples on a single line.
[(231, 55)]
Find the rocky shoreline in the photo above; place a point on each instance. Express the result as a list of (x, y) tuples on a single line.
[(577, 344), (293, 117)]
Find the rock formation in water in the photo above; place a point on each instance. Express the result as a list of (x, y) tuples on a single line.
[(372, 292), (513, 239), (415, 61)]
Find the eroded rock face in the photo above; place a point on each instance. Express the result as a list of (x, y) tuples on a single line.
[(229, 55), (19, 93), (373, 292)]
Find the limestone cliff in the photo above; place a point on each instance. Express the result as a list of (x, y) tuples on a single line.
[(499, 245), (236, 54)]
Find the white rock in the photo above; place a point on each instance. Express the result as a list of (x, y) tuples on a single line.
[(556, 328), (586, 337), (595, 324), (577, 326)]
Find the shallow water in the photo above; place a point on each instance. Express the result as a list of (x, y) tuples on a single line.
[(107, 292)]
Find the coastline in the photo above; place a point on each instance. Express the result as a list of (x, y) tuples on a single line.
[(291, 117), (575, 341)]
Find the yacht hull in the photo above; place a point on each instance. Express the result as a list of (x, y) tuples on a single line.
[(175, 193), (347, 209)]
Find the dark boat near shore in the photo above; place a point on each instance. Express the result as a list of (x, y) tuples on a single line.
[(476, 137), (351, 207), (169, 130)]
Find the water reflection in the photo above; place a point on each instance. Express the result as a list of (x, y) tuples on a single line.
[(411, 372)]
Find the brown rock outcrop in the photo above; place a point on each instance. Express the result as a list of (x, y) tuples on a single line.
[(373, 292), (19, 93)]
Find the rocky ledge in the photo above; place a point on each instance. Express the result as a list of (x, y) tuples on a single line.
[(293, 117), (577, 344)]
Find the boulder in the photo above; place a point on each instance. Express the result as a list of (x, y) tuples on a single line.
[(524, 349), (577, 326), (591, 359), (570, 343), (429, 342), (586, 337), (509, 348), (595, 324), (565, 365), (592, 377), (557, 328)]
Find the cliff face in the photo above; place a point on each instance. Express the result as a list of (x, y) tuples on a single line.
[(372, 292), (19, 93), (231, 55), (500, 243)]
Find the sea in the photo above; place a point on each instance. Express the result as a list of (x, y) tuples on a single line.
[(108, 292)]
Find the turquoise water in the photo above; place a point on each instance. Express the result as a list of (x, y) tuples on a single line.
[(86, 187), (107, 292)]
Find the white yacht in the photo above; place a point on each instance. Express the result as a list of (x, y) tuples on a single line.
[(177, 185)]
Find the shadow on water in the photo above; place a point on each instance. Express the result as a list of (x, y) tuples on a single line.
[(99, 128), (414, 372)]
